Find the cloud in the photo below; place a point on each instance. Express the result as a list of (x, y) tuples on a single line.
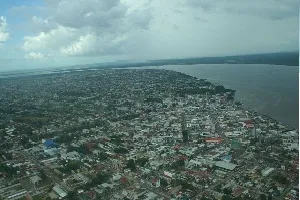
[(43, 25), (4, 35), (49, 40), (84, 45), (87, 31), (200, 19), (87, 27), (270, 9), (36, 56), (205, 5)]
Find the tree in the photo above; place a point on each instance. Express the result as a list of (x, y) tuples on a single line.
[(185, 136), (280, 178), (219, 188), (43, 175), (131, 165), (70, 166), (102, 156), (163, 182), (142, 161), (270, 197), (71, 195), (121, 150), (100, 178), (238, 198), (178, 164), (226, 197), (227, 191), (10, 171), (263, 197)]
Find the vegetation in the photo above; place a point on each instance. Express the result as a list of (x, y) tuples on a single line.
[(142, 161), (116, 140), (227, 191), (131, 165), (121, 150), (100, 178), (185, 136), (9, 171), (178, 164), (83, 149), (70, 166), (153, 100), (163, 182), (280, 178)]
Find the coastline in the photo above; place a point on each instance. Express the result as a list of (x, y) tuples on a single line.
[(47, 72)]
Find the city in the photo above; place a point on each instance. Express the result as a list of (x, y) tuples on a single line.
[(139, 134)]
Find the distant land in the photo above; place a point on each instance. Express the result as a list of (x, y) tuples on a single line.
[(286, 58)]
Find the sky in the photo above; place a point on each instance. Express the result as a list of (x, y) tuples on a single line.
[(52, 33)]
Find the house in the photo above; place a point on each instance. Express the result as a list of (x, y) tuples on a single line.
[(214, 140), (227, 166), (49, 143), (59, 191), (35, 179), (267, 171), (70, 155)]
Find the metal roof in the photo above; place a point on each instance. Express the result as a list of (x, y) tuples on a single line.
[(225, 165)]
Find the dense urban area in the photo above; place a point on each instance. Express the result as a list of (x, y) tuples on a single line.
[(139, 134)]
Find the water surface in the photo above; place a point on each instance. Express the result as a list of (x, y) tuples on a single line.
[(272, 90)]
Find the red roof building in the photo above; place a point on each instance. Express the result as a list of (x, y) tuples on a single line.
[(248, 122)]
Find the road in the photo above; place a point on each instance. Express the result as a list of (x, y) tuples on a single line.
[(47, 171)]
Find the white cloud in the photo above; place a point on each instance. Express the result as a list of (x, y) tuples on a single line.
[(36, 56), (84, 45), (271, 9), (87, 27), (152, 29), (49, 40), (4, 35)]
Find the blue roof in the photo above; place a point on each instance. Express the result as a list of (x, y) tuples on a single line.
[(228, 157), (276, 193), (50, 143)]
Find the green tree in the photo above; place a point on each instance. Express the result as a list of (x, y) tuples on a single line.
[(142, 161), (121, 150), (185, 136), (131, 165), (263, 197), (163, 182), (71, 195), (43, 175), (280, 178), (227, 191), (226, 197), (219, 188)]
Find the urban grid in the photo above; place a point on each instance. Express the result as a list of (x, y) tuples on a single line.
[(139, 134)]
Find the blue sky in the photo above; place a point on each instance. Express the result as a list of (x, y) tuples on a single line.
[(53, 33)]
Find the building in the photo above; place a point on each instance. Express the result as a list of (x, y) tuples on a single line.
[(214, 140), (59, 191), (227, 166), (35, 179), (267, 171), (11, 191), (49, 143)]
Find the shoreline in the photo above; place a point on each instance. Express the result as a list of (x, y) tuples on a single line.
[(70, 71)]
